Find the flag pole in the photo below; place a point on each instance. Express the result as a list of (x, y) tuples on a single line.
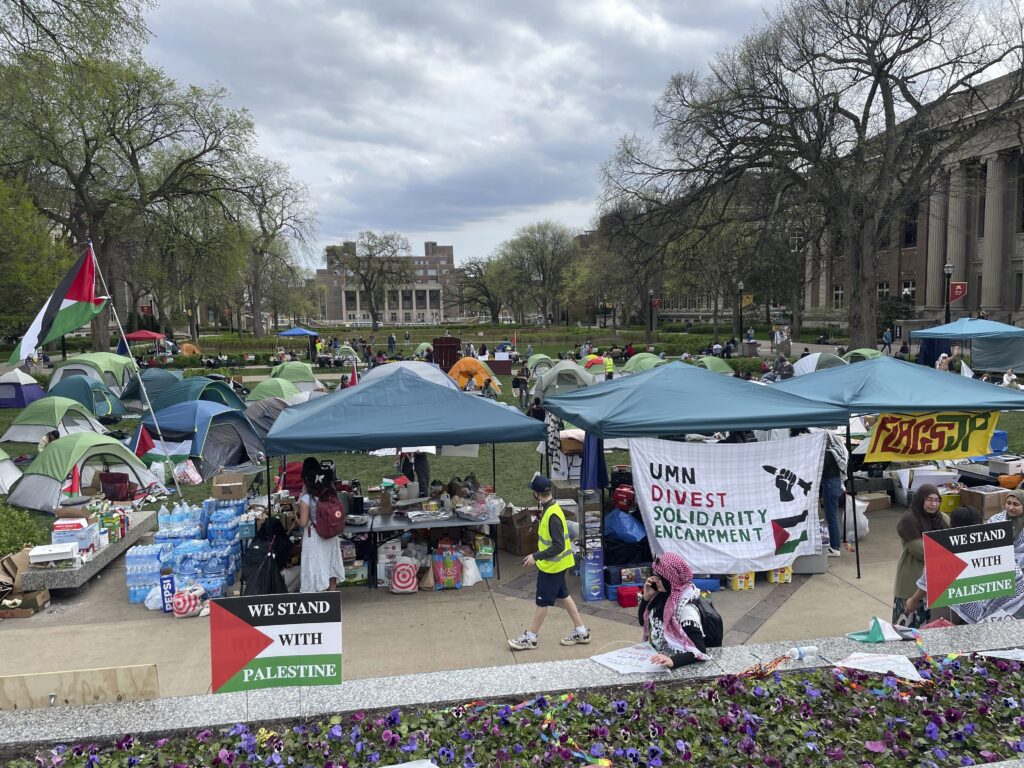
[(135, 366)]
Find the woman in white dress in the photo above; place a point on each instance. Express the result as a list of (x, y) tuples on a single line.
[(322, 566)]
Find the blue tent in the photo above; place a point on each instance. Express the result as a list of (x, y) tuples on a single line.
[(895, 386), (92, 393), (298, 332), (196, 388), (397, 410), (967, 328), (219, 436), (676, 398)]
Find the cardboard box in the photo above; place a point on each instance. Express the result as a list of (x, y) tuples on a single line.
[(741, 581), (228, 486), (17, 613), (1006, 465), (36, 600), (986, 499), (518, 540), (780, 575), (518, 518), (875, 500)]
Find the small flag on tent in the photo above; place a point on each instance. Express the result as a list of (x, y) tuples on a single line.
[(74, 487), (145, 443), (71, 306), (353, 379)]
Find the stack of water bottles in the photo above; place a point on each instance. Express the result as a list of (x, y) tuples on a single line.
[(143, 564), (222, 518), (181, 522)]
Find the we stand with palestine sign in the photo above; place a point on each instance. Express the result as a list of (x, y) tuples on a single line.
[(730, 508), (962, 565), (269, 641)]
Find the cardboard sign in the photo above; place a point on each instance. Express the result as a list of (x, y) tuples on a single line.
[(271, 641), (964, 565), (630, 661), (946, 435)]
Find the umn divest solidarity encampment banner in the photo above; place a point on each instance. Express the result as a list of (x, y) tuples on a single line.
[(730, 508)]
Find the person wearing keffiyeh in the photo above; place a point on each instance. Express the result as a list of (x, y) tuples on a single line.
[(669, 614)]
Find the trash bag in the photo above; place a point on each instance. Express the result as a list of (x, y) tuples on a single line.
[(624, 527), (267, 579), (859, 516)]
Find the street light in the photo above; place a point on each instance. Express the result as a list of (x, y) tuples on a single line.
[(650, 314), (739, 309), (948, 270)]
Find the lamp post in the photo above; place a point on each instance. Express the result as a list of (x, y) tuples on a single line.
[(948, 271), (650, 316), (739, 310)]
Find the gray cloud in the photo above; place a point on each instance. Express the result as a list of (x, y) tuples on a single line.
[(446, 120)]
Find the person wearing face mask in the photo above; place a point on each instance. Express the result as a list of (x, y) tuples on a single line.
[(669, 615), (922, 516), (553, 559)]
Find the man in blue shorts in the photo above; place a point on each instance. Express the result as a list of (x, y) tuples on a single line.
[(553, 558)]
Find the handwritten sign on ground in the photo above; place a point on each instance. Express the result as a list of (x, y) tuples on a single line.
[(271, 641), (962, 565), (946, 435), (630, 661), (883, 664), (730, 507)]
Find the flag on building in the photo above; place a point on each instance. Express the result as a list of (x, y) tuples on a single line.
[(71, 306)]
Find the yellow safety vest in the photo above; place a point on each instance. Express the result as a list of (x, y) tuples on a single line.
[(609, 365), (563, 562)]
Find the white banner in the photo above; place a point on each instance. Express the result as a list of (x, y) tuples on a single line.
[(731, 507)]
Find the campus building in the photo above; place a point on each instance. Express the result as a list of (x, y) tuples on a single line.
[(431, 298)]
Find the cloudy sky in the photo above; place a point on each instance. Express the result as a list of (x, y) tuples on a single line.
[(449, 120)]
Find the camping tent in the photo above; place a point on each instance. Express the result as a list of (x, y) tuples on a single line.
[(470, 367), (92, 393), (41, 486), (565, 376), (188, 348), (865, 353), (155, 379), (642, 361), (18, 389), (423, 348), (427, 371), (714, 364), (399, 410), (816, 361), (263, 413), (298, 373), (885, 384), (112, 370), (642, 406), (51, 413), (539, 363), (219, 436), (197, 388), (272, 388), (9, 472)]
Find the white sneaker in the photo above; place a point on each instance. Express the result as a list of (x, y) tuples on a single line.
[(834, 552), (576, 638), (523, 643)]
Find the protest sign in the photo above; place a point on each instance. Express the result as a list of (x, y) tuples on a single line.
[(883, 664), (963, 565), (269, 641), (730, 507), (630, 661), (936, 436)]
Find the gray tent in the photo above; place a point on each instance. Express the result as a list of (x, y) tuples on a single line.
[(566, 376), (263, 413)]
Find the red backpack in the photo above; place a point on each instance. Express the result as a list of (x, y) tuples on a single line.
[(330, 514)]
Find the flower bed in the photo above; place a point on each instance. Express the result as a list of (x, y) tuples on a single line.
[(967, 712)]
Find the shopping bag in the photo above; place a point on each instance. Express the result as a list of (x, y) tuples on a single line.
[(188, 601), (470, 572), (447, 568), (404, 576), (185, 473), (859, 516)]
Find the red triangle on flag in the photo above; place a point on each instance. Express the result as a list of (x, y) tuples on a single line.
[(145, 443), (781, 534), (83, 287), (233, 644), (941, 568)]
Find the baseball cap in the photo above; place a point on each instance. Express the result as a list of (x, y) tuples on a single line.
[(540, 483)]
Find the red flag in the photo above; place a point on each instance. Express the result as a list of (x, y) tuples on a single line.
[(145, 443), (353, 379), (957, 291), (75, 486)]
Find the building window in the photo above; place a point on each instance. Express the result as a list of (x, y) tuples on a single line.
[(351, 315), (883, 289), (408, 317), (909, 238), (909, 290), (394, 317), (350, 300), (837, 297)]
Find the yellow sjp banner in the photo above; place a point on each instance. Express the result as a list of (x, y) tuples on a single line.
[(945, 435)]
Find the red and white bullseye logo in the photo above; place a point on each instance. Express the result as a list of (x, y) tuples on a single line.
[(403, 577)]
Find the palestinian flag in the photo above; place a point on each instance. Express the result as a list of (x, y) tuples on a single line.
[(71, 306), (789, 533)]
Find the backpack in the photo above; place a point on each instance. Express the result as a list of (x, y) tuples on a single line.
[(710, 622), (330, 514)]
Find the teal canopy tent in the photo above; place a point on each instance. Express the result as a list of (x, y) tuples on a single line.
[(969, 328)]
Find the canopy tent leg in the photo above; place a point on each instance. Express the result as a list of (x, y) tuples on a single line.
[(494, 469), (853, 497)]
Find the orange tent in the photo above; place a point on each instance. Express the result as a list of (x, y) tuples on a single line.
[(188, 348), (470, 368)]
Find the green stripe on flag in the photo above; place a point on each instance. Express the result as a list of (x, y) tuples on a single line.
[(791, 544), (978, 588), (283, 671)]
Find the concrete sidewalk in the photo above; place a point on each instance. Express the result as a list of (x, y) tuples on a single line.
[(386, 634)]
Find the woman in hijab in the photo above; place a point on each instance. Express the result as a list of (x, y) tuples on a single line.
[(922, 516), (669, 614)]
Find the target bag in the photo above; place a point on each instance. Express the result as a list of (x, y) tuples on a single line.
[(405, 576)]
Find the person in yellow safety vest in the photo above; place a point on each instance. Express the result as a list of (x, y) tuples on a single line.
[(553, 559), (609, 366)]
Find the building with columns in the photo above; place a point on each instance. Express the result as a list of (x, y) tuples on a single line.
[(972, 218), (429, 299)]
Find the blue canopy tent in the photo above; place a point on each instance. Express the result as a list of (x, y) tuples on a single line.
[(214, 435), (994, 346), (311, 337)]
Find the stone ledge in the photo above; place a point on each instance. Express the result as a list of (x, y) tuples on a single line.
[(25, 729)]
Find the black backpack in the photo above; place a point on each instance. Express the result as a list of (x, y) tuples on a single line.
[(710, 622)]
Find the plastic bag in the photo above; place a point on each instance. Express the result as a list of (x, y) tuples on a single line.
[(188, 601), (861, 519), (154, 600), (159, 469), (447, 567), (470, 572), (267, 579), (624, 527), (404, 576), (187, 474)]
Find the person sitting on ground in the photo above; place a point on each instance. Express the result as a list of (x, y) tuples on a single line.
[(470, 385), (489, 391), (669, 615), (1010, 379), (903, 352), (805, 353), (536, 411)]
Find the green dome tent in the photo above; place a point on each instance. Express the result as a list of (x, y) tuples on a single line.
[(113, 370), (272, 388), (298, 373), (51, 413), (714, 364), (93, 394), (565, 376), (642, 361), (816, 361), (539, 363), (9, 472), (42, 486), (857, 355), (197, 388), (422, 349)]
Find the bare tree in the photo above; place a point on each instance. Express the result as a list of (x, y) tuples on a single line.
[(378, 264)]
